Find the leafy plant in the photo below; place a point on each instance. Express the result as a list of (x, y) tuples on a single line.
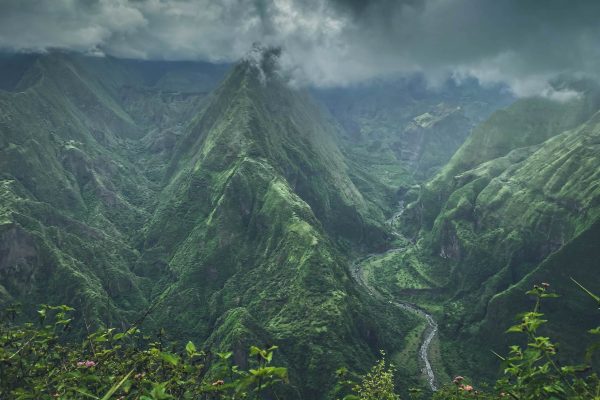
[(377, 384), (39, 362), (533, 371)]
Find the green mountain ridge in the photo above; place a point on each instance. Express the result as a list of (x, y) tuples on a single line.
[(235, 218), (258, 188), (71, 187), (67, 197), (520, 193), (236, 207)]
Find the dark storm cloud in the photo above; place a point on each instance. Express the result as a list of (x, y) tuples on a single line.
[(522, 42), (330, 42)]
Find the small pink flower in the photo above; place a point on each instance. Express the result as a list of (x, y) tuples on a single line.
[(467, 388), (87, 364)]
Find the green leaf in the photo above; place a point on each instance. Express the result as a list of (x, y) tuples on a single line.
[(170, 358), (549, 295), (590, 351), (515, 328), (116, 386), (498, 355), (268, 356), (225, 356), (159, 391), (279, 372), (190, 348), (254, 350), (100, 339), (86, 394), (133, 330), (127, 386)]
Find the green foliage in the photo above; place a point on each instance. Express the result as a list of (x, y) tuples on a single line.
[(534, 371), (39, 362), (530, 372), (377, 384)]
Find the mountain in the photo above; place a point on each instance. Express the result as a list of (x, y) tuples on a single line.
[(75, 190), (404, 130), (518, 204), (69, 196), (258, 194), (330, 222), (216, 196)]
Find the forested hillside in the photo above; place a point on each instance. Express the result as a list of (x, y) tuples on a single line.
[(517, 204), (219, 204)]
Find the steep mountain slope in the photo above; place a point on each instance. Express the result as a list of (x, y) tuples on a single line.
[(272, 122), (257, 189), (525, 123), (577, 259), (67, 201), (73, 200), (230, 209), (509, 207), (521, 217)]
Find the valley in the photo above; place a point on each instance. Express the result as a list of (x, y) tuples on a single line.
[(332, 223), (427, 335)]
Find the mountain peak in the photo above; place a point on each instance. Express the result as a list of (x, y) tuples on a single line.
[(264, 60)]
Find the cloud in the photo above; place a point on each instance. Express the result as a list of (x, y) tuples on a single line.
[(524, 43)]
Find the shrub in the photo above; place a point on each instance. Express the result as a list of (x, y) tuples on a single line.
[(532, 371), (39, 362), (377, 384)]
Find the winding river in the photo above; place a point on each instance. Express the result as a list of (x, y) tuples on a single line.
[(432, 326)]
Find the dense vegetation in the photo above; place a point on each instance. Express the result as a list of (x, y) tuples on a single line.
[(37, 361), (236, 209), (232, 204), (517, 204)]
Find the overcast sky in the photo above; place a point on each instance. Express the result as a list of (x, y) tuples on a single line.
[(329, 42)]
